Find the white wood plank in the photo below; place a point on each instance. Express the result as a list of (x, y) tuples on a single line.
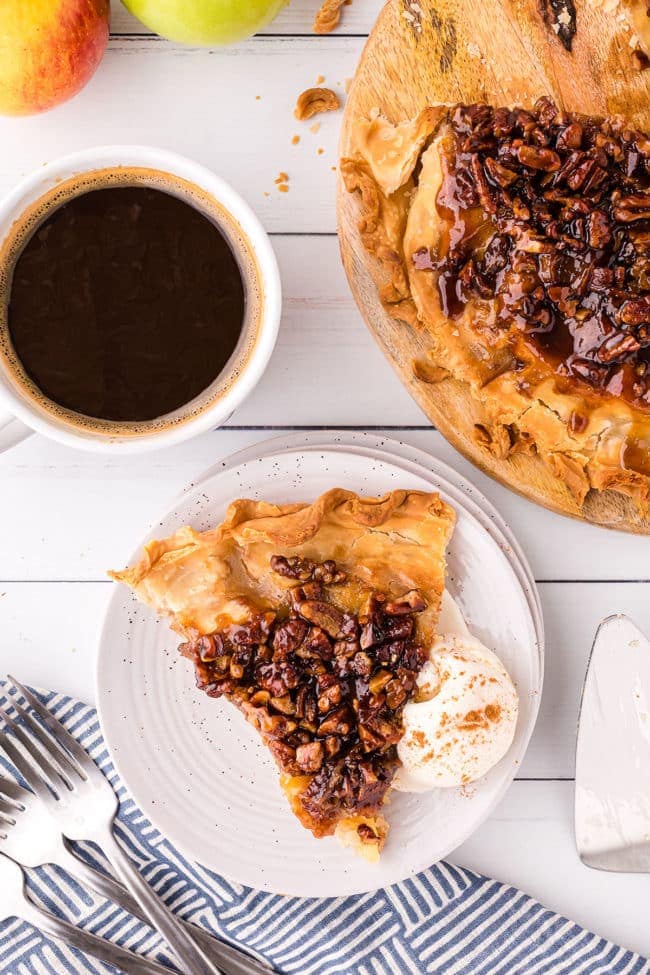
[(70, 515), (529, 842), (323, 349), (50, 632), (204, 104), (296, 18)]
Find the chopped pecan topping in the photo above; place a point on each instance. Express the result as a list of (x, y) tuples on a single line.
[(283, 704), (323, 615), (288, 637), (412, 602), (309, 590), (210, 647), (379, 681), (313, 101), (325, 688), (310, 756), (376, 631), (560, 17), (366, 833), (330, 692), (549, 218), (305, 570)]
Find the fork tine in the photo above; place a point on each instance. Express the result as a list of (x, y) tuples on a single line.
[(12, 790), (38, 770), (6, 820), (8, 809), (32, 778), (46, 742), (62, 735)]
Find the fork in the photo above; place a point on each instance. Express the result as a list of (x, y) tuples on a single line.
[(15, 902), (30, 836), (84, 806)]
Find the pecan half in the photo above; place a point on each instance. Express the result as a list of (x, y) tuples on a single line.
[(535, 158), (313, 101), (328, 16), (288, 637)]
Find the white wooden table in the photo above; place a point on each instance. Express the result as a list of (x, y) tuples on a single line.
[(65, 517)]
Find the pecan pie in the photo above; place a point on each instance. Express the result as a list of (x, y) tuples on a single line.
[(314, 620), (520, 241)]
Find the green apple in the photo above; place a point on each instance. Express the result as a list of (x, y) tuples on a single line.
[(204, 22)]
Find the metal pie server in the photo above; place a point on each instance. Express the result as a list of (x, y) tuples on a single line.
[(612, 792)]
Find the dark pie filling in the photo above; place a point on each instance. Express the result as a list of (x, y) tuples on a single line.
[(548, 214), (324, 687)]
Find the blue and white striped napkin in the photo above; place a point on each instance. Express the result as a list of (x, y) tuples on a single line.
[(446, 920)]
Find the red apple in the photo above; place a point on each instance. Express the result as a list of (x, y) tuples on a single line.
[(49, 49)]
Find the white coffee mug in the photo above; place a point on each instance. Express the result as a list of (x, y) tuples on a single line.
[(22, 414)]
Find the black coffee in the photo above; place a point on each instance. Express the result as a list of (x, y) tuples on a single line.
[(125, 304)]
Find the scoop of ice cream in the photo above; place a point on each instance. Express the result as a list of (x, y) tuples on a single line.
[(462, 720)]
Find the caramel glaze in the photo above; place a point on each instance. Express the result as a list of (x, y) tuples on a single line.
[(548, 215)]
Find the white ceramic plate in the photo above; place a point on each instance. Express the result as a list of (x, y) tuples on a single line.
[(195, 766)]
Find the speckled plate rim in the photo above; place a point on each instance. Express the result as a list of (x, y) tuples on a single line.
[(440, 476)]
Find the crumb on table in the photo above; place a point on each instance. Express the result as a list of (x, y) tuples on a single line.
[(282, 182)]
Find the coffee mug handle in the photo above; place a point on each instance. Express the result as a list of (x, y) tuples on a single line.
[(12, 431)]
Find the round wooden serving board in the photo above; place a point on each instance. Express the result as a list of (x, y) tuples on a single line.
[(423, 52)]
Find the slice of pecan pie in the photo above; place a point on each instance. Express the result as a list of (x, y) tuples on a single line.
[(314, 620), (519, 240)]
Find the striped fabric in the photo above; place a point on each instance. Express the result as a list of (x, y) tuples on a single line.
[(446, 920)]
